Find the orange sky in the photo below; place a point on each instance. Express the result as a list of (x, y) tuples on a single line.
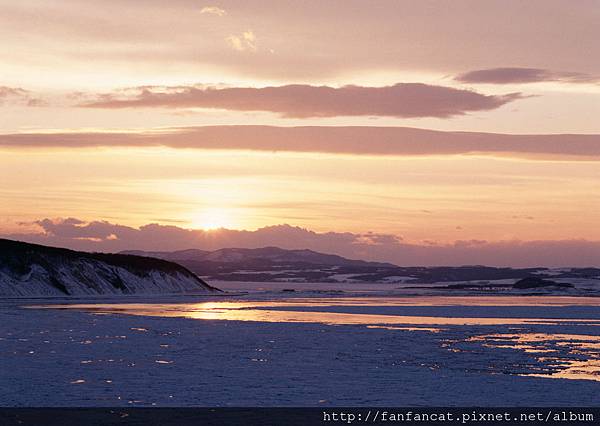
[(94, 97)]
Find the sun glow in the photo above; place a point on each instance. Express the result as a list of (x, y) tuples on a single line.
[(213, 218)]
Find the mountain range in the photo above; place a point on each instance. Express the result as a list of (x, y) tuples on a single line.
[(273, 264)]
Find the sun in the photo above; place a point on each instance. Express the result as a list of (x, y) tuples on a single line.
[(213, 218)]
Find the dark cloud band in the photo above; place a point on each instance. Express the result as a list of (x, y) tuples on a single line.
[(404, 100), (335, 140), (524, 75)]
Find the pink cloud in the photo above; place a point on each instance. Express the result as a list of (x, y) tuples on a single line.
[(109, 237), (303, 101)]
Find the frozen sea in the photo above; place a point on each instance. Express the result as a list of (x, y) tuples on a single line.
[(320, 345)]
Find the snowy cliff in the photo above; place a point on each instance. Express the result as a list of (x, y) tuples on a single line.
[(35, 270)]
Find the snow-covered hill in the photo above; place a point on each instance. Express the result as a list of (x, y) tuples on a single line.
[(35, 270), (273, 255)]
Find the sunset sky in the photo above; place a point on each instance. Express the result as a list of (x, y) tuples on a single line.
[(128, 124)]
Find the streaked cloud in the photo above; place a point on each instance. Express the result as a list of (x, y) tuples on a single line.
[(6, 92), (403, 100), (524, 75), (355, 140), (106, 236), (87, 46), (213, 10)]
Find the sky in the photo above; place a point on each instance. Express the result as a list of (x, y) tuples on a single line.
[(425, 133)]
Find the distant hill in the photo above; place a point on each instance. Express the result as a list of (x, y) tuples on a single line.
[(272, 255), (266, 264), (273, 264), (189, 254), (36, 270), (282, 256)]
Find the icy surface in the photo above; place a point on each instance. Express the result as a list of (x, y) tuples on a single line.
[(528, 354)]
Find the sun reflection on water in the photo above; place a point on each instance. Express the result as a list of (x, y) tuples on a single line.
[(570, 356), (274, 311)]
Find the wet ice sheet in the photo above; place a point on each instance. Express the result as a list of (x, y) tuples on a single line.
[(297, 310), (583, 287)]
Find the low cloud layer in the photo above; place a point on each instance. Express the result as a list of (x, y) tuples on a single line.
[(105, 236), (402, 100), (18, 96), (337, 140), (524, 75)]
